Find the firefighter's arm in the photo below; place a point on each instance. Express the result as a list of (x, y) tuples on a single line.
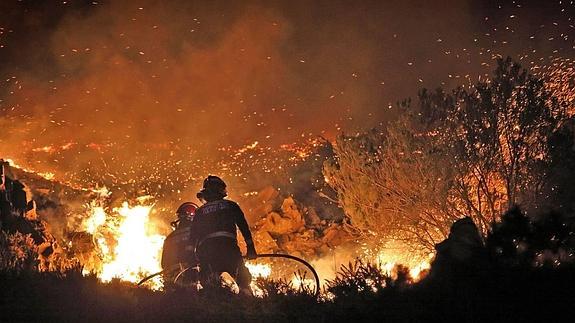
[(194, 239), (251, 250), (165, 256), (246, 233)]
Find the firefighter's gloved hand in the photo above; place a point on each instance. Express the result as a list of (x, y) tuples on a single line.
[(251, 254)]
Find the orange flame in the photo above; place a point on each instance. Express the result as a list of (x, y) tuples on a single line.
[(130, 245)]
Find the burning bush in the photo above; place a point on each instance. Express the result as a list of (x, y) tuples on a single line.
[(18, 252), (472, 152)]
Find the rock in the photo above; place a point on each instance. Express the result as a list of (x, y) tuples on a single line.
[(305, 248), (289, 221), (324, 249), (259, 205), (264, 242), (335, 235), (276, 224), (290, 210), (311, 217), (298, 233)]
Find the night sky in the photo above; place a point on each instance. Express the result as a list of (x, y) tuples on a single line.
[(100, 82)]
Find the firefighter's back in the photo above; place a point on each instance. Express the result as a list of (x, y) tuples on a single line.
[(178, 248), (215, 216)]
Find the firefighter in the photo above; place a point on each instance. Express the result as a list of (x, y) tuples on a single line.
[(461, 253), (178, 251), (214, 229), (458, 270)]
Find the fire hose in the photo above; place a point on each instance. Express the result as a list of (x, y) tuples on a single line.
[(303, 262), (264, 255)]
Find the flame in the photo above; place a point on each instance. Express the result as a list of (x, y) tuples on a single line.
[(46, 175), (96, 219), (259, 270), (388, 261), (299, 282), (129, 244), (416, 271), (264, 270)]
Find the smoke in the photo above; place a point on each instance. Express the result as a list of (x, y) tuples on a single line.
[(145, 90)]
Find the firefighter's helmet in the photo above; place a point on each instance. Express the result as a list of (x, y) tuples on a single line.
[(186, 210), (213, 187)]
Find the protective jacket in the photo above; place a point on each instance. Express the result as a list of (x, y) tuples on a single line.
[(219, 219), (178, 248)]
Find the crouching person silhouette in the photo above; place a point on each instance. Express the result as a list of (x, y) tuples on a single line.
[(178, 259)]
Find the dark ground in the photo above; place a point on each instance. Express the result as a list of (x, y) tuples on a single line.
[(499, 295)]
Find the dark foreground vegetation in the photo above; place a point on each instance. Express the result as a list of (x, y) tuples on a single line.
[(502, 295), (524, 273)]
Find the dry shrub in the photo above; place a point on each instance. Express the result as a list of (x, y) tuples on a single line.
[(18, 252)]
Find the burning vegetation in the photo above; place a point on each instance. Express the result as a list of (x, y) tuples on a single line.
[(400, 188), (438, 208)]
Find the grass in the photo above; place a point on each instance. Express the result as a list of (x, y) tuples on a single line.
[(359, 293)]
